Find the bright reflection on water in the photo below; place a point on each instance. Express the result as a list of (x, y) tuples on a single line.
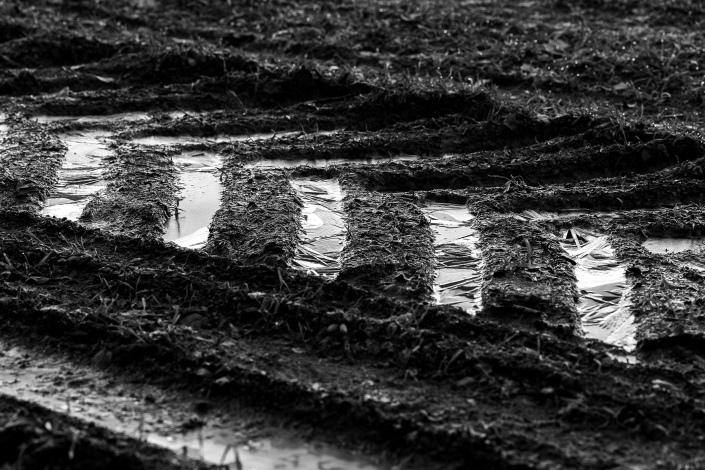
[(80, 176), (186, 139), (199, 179), (604, 302), (323, 225), (324, 162), (459, 270), (94, 396), (674, 245)]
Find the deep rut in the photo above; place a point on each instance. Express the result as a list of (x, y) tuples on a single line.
[(420, 274)]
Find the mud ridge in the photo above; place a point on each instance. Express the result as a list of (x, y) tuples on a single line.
[(140, 194), (30, 159), (258, 221)]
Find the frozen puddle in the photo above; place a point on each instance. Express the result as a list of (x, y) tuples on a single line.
[(323, 225), (604, 302), (96, 397), (80, 176), (674, 245), (324, 162), (458, 279), (200, 199)]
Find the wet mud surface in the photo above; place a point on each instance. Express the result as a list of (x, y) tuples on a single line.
[(352, 235)]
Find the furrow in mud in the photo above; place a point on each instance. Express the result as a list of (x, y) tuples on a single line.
[(686, 221), (260, 377), (605, 293), (640, 285), (667, 298), (528, 278), (35, 437), (11, 28), (358, 111), (107, 102), (458, 279), (535, 166), (622, 193), (199, 198), (140, 194), (464, 357), (323, 223), (231, 81), (30, 159), (58, 49), (389, 244), (427, 138), (80, 177), (259, 218)]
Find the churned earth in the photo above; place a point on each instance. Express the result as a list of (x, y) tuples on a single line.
[(359, 234)]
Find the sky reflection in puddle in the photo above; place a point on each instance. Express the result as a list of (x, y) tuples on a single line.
[(323, 224), (458, 279), (324, 162), (80, 176), (95, 396), (187, 139), (674, 245), (604, 302), (201, 188)]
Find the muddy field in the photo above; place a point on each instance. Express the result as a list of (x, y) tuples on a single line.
[(360, 234)]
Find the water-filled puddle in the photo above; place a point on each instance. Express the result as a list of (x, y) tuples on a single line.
[(604, 293), (674, 245), (96, 397), (324, 162), (80, 176), (127, 117), (323, 226), (200, 184), (131, 117), (187, 139), (539, 216), (459, 270)]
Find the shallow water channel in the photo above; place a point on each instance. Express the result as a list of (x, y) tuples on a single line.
[(186, 139), (458, 278), (324, 162), (604, 305), (199, 179), (97, 397), (322, 220), (675, 245), (323, 224), (81, 174)]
